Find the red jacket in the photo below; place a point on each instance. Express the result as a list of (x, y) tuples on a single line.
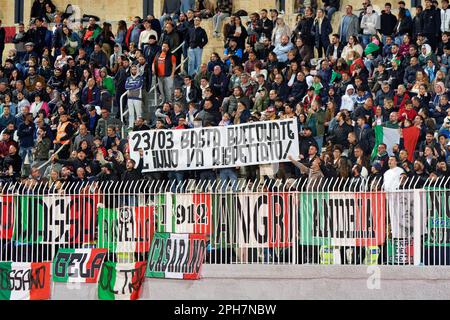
[(4, 147), (410, 114), (400, 104)]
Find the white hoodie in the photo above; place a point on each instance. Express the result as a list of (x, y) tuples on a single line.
[(348, 101)]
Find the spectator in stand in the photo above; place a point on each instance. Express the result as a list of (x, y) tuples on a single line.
[(223, 10), (196, 39), (134, 86), (321, 30)]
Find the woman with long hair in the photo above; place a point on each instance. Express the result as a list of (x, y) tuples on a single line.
[(403, 26), (281, 29), (352, 45), (321, 30), (106, 39), (238, 32), (71, 41), (121, 33)]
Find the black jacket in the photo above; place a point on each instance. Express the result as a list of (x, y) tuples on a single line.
[(330, 50), (431, 21), (340, 135), (387, 23), (195, 94), (366, 138), (196, 37), (406, 27), (2, 38)]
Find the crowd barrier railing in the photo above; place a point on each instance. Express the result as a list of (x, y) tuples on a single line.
[(321, 221)]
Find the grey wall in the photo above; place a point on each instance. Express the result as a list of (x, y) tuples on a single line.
[(290, 282)]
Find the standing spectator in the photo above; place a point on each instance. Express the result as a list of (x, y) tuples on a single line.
[(172, 38), (145, 35), (445, 16), (170, 9), (431, 23), (403, 27), (121, 34), (134, 85), (417, 22), (25, 133), (349, 25), (163, 67), (224, 9), (370, 23), (280, 29), (89, 34), (64, 133), (387, 22), (331, 6), (266, 25), (2, 41), (134, 32), (19, 41), (197, 39), (321, 29)]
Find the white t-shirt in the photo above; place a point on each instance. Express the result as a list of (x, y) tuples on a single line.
[(392, 179)]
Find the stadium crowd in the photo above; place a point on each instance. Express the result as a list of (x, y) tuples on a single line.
[(61, 85)]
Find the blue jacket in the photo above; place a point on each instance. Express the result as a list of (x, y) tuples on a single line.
[(95, 96), (26, 135), (134, 86)]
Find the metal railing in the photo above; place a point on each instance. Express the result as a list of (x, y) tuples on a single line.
[(325, 221)]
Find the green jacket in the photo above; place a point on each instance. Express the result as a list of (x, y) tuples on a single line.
[(108, 84)]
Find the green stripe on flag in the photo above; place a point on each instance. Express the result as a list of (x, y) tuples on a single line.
[(312, 218), (107, 221), (5, 285), (107, 281), (62, 267), (159, 242), (378, 140)]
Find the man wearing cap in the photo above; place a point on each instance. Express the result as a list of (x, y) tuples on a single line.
[(64, 133)]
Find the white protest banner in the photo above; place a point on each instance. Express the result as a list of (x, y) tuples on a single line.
[(216, 147)]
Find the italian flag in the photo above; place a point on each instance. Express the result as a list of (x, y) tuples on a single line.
[(176, 256), (385, 135), (126, 229), (121, 281), (24, 281), (75, 268)]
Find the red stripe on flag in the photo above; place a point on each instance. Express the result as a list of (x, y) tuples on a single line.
[(40, 287), (138, 279), (94, 253)]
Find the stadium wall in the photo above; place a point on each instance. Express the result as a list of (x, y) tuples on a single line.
[(272, 282)]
